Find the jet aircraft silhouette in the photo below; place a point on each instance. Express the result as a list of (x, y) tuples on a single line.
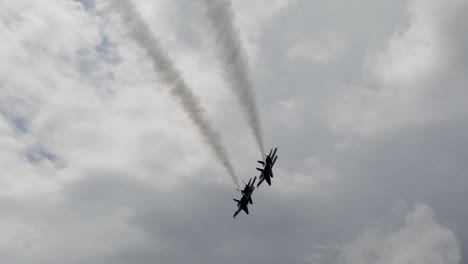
[(267, 171), (243, 203)]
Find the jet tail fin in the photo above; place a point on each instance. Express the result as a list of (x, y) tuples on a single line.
[(255, 178), (274, 161)]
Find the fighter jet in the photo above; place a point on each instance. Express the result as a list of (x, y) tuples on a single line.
[(267, 171), (249, 187), (242, 204)]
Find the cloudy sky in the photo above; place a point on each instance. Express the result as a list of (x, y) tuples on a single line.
[(366, 101)]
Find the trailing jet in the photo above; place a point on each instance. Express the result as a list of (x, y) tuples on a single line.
[(242, 204), (249, 187), (267, 171)]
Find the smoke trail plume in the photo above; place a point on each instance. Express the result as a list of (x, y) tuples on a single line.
[(139, 31), (235, 62)]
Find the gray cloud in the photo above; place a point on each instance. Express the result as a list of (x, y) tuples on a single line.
[(405, 79), (420, 240), (136, 185)]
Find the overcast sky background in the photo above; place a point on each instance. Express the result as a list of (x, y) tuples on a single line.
[(366, 101)]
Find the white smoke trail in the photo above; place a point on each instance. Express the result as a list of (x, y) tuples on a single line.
[(235, 62), (139, 31)]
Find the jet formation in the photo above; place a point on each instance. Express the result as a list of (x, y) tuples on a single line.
[(265, 175)]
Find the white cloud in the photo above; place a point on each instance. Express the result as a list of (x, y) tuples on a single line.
[(420, 241), (40, 55), (77, 102), (312, 178), (290, 112), (416, 80), (323, 49), (253, 16)]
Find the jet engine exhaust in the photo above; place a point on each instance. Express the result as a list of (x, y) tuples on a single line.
[(140, 32), (234, 62)]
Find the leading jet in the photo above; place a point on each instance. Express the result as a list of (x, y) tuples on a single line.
[(267, 171), (242, 204)]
